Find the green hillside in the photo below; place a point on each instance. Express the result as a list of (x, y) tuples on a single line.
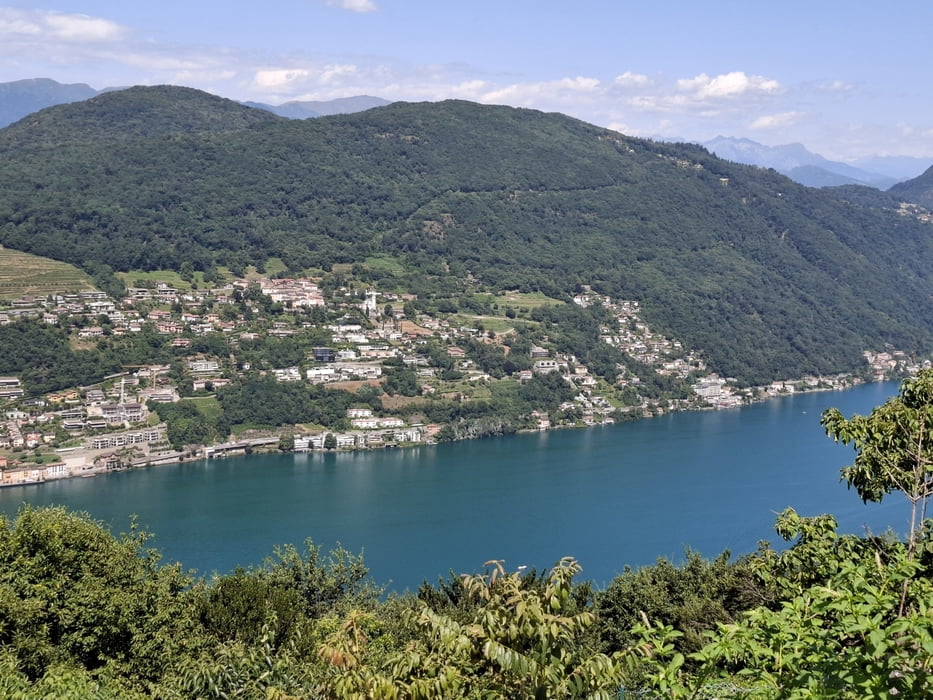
[(768, 278), (919, 190), (135, 113)]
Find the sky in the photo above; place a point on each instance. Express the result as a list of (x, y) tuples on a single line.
[(845, 79)]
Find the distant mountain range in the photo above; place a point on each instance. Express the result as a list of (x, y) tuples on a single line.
[(768, 278), (813, 170), (23, 97), (306, 110)]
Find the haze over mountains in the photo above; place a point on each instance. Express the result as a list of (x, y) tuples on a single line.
[(22, 97), (813, 170), (310, 109), (767, 278)]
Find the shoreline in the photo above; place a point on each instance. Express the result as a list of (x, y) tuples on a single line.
[(260, 445)]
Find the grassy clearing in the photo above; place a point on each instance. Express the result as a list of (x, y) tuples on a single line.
[(22, 273), (392, 403), (173, 279), (384, 262), (275, 266), (246, 428), (531, 300), (169, 277), (76, 343), (471, 390), (497, 324), (208, 405), (139, 278)]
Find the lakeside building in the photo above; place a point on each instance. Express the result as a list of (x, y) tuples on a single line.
[(103, 442)]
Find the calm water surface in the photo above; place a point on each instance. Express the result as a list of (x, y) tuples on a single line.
[(611, 497)]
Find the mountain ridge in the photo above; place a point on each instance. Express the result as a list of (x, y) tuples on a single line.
[(20, 98), (768, 278)]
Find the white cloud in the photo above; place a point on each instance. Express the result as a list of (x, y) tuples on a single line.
[(728, 85), (278, 78), (471, 86), (776, 121), (837, 86), (185, 76), (663, 129), (644, 103), (354, 5), (527, 93), (332, 72), (309, 82), (629, 79), (50, 26), (83, 28), (17, 23), (164, 62)]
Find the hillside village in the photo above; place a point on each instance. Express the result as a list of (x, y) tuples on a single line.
[(115, 424)]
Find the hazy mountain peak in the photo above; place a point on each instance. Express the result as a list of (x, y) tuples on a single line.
[(136, 112), (812, 169), (22, 97), (297, 109)]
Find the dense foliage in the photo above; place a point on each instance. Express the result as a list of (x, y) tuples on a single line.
[(44, 360), (768, 278), (186, 425), (264, 401)]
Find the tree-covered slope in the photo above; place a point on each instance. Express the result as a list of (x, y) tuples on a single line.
[(135, 113), (770, 279), (919, 190)]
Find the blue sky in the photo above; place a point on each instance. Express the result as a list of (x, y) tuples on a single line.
[(846, 79)]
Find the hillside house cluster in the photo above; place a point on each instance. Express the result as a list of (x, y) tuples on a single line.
[(111, 420)]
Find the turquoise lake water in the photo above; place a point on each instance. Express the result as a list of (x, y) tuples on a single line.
[(611, 496)]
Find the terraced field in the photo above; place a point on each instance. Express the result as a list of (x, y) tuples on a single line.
[(22, 273)]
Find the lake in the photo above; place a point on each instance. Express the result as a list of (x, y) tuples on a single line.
[(609, 496)]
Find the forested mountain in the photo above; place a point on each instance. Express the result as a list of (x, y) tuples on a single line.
[(815, 176), (21, 97), (918, 190), (768, 278), (132, 115)]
